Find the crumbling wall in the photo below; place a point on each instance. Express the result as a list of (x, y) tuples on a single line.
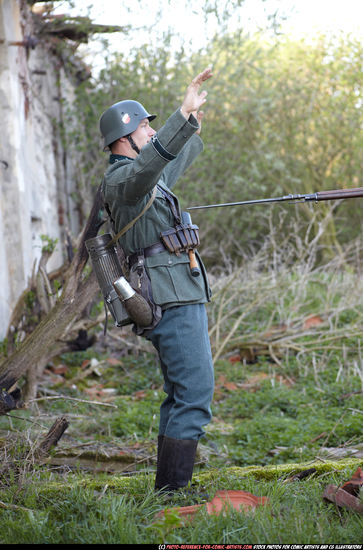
[(37, 173)]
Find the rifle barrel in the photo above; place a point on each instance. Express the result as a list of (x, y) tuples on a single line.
[(275, 199), (336, 194)]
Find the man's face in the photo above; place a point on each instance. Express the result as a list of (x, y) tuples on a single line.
[(143, 133)]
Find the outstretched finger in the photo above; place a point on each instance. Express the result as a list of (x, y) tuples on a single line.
[(203, 76)]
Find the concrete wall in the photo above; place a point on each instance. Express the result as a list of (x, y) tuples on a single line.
[(36, 172)]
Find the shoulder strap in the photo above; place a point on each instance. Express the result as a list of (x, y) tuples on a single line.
[(132, 222), (172, 204)]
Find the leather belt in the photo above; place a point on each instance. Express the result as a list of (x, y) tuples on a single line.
[(148, 251)]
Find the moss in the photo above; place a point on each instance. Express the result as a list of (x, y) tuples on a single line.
[(141, 482)]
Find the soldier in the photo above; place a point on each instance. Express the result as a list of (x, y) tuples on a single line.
[(144, 166)]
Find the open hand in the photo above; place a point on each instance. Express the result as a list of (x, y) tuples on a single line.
[(193, 100)]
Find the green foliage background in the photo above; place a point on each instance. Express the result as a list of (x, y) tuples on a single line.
[(282, 116)]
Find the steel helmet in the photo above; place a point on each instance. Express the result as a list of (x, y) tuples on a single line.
[(121, 119)]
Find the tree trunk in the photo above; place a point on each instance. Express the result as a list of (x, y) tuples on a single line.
[(46, 340)]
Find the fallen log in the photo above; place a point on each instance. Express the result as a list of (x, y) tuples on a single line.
[(95, 457)]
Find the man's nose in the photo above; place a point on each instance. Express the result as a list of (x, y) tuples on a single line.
[(152, 132)]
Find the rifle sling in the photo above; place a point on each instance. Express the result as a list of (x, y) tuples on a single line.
[(132, 222)]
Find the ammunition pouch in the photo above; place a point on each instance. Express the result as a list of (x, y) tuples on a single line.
[(103, 250), (180, 238)]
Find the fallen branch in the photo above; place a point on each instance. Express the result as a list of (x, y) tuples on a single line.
[(52, 437), (73, 399), (355, 410), (101, 458)]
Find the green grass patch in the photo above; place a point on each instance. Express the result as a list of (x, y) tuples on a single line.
[(119, 510), (290, 407)]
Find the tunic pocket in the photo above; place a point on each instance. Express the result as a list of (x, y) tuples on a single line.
[(172, 281)]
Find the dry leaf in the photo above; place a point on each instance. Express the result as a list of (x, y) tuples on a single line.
[(138, 395), (275, 330), (136, 445), (353, 485), (252, 383), (234, 359), (94, 391), (222, 501), (345, 496), (312, 321), (113, 361), (236, 499), (55, 378), (222, 382), (230, 386), (59, 369)]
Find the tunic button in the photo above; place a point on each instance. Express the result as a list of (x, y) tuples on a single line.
[(170, 262)]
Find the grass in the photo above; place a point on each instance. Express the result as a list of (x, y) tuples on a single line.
[(288, 404), (284, 410), (81, 512)]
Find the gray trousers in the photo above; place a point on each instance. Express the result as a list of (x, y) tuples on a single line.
[(182, 341)]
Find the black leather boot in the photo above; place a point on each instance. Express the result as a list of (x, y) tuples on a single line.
[(160, 444), (175, 463)]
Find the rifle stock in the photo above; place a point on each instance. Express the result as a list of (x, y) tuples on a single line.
[(339, 194)]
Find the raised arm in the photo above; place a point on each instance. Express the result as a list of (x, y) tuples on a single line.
[(137, 178)]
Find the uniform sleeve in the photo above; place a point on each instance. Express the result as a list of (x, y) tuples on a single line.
[(175, 168)]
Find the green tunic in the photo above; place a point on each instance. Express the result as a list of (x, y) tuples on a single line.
[(127, 187)]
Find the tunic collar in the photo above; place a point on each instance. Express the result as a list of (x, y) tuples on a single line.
[(115, 158)]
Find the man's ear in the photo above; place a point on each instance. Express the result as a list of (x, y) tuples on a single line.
[(115, 145)]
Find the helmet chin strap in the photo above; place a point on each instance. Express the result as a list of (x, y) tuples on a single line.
[(133, 144)]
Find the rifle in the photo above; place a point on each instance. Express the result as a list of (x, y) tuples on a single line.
[(319, 196)]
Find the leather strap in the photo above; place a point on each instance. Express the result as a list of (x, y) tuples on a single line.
[(132, 222), (172, 204), (147, 252)]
